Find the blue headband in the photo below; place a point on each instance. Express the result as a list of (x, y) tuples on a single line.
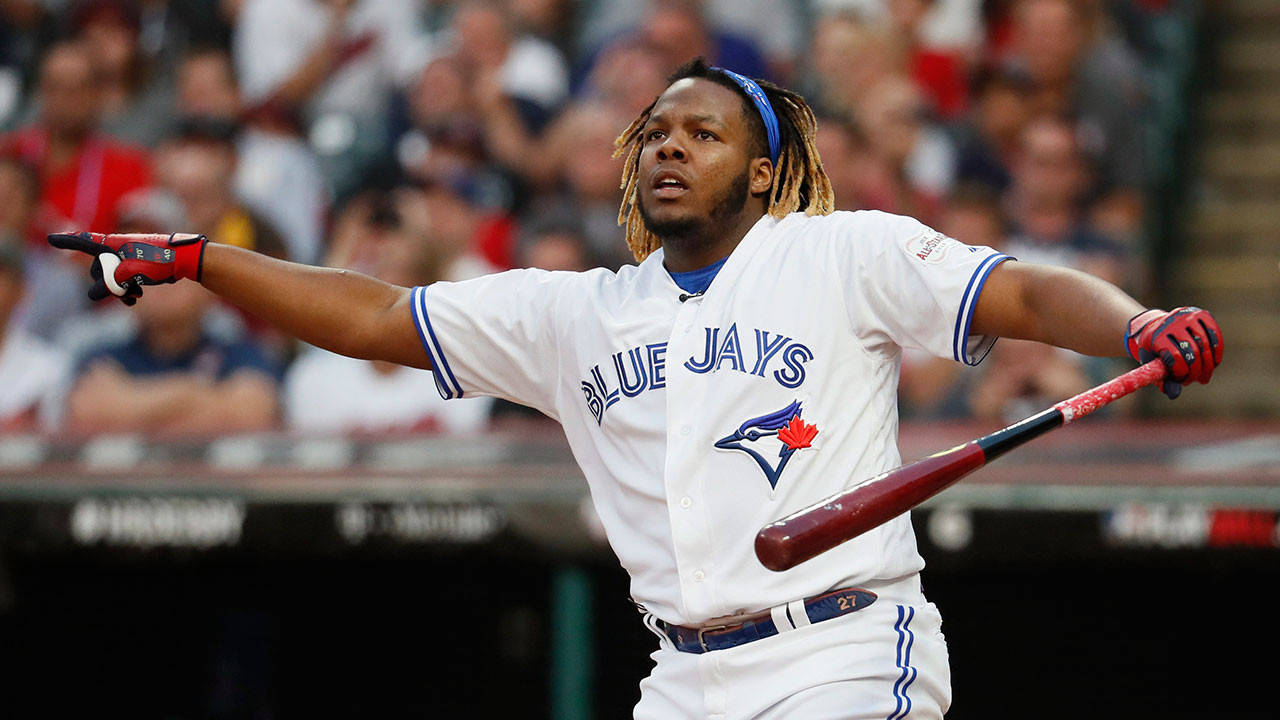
[(753, 89)]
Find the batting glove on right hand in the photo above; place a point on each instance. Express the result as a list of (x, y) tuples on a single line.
[(123, 263), (1187, 340)]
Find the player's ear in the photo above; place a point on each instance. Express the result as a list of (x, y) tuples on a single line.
[(760, 174)]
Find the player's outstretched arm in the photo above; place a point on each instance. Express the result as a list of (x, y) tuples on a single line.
[(1080, 312), (338, 310)]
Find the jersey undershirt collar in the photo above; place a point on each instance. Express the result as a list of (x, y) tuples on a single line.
[(697, 281)]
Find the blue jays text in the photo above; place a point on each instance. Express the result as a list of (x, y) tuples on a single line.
[(643, 368)]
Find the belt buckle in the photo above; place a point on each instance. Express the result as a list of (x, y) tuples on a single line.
[(702, 641)]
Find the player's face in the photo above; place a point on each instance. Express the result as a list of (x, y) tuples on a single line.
[(696, 169)]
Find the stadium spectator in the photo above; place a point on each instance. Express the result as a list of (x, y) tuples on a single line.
[(277, 175), (853, 172), (82, 178), (461, 131), (493, 52), (582, 178), (850, 56), (680, 30), (953, 26), (172, 377), (181, 365), (626, 76), (325, 393), (771, 29), (324, 73), (553, 21), (207, 86), (82, 173), (987, 139), (1078, 74), (915, 159), (137, 103), (198, 164), (452, 221), (1045, 205), (32, 372)]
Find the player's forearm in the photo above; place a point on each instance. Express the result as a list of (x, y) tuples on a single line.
[(339, 310), (1055, 305)]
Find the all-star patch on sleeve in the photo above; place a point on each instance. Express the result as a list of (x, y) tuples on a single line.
[(908, 285)]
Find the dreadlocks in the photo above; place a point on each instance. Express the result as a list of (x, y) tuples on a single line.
[(799, 180)]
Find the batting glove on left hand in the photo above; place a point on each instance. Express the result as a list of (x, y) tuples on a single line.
[(1187, 340), (123, 263)]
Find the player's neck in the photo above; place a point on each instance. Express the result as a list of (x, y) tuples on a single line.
[(695, 250)]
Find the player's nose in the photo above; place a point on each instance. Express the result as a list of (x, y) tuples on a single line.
[(671, 148)]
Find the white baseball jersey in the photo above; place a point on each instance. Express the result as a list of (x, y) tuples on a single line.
[(698, 422)]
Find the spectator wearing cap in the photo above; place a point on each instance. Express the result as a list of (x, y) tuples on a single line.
[(32, 371)]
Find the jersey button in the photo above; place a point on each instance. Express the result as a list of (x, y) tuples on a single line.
[(699, 576), (686, 429), (686, 502)]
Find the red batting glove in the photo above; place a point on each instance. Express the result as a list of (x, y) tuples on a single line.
[(1187, 340), (135, 260)]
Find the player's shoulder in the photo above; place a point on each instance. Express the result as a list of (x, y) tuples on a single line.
[(859, 231)]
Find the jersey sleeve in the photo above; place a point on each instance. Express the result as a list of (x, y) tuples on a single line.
[(912, 286), (494, 335)]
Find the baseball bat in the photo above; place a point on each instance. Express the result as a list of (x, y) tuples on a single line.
[(820, 527)]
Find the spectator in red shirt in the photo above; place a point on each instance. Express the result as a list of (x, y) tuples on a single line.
[(82, 174)]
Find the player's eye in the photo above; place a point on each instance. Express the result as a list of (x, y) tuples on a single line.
[(705, 135), (653, 135)]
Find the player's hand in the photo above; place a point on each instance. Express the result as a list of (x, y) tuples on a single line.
[(123, 263), (1187, 340)]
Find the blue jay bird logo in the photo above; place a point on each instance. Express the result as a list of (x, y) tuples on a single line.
[(785, 425)]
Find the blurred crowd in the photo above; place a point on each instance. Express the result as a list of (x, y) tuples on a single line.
[(425, 140)]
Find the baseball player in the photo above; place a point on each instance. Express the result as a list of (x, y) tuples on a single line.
[(746, 367)]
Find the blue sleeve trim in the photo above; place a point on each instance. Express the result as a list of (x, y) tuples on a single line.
[(427, 335), (964, 317)]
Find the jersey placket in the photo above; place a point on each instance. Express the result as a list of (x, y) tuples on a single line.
[(686, 468)]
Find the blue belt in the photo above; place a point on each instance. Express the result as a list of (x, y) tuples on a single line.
[(761, 625)]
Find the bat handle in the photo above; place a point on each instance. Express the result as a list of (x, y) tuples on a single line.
[(1114, 389)]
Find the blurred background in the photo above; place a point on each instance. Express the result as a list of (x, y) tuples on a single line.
[(203, 518)]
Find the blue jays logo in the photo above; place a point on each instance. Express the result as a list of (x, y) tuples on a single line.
[(785, 425)]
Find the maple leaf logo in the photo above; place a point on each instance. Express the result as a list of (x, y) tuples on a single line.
[(798, 434)]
